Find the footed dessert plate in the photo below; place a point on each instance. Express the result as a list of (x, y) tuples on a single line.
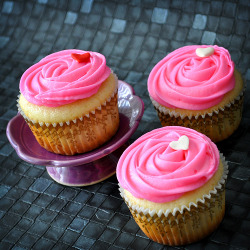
[(82, 169)]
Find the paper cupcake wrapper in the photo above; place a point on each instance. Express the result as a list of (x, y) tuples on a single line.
[(218, 124), (79, 135), (186, 224)]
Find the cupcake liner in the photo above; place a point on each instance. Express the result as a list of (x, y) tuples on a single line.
[(186, 224), (218, 124), (81, 134)]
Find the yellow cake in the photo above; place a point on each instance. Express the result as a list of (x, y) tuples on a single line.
[(176, 195), (199, 91), (70, 107)]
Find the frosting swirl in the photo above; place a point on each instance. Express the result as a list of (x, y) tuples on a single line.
[(150, 169), (58, 79), (185, 80)]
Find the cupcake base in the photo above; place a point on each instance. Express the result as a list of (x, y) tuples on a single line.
[(218, 125), (185, 227), (80, 135), (190, 220)]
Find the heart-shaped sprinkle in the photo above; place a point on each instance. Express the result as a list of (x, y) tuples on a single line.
[(81, 57), (182, 143), (204, 52)]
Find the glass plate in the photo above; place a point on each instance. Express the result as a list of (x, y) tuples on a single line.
[(87, 168)]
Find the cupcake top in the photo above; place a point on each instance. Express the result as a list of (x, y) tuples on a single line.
[(64, 77), (166, 163), (193, 77)]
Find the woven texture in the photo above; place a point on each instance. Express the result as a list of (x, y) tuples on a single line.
[(38, 213)]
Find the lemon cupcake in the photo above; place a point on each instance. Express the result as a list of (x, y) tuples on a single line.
[(173, 181), (198, 87), (69, 100)]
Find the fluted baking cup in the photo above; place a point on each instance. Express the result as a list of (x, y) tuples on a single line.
[(184, 225), (217, 124), (81, 134)]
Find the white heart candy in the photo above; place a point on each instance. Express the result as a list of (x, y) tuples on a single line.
[(182, 143), (204, 52)]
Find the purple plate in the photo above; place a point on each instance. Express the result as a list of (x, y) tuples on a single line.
[(87, 168)]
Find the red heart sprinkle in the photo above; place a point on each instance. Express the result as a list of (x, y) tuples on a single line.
[(81, 57)]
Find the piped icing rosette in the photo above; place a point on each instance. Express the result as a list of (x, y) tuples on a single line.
[(60, 78), (189, 80), (154, 169)]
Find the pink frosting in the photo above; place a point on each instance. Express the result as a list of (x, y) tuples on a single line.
[(150, 169), (58, 79), (184, 80)]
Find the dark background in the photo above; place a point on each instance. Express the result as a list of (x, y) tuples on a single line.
[(35, 211)]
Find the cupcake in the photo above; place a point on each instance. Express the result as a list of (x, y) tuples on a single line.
[(173, 181), (69, 101), (198, 87)]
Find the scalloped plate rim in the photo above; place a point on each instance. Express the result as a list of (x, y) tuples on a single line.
[(75, 159)]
